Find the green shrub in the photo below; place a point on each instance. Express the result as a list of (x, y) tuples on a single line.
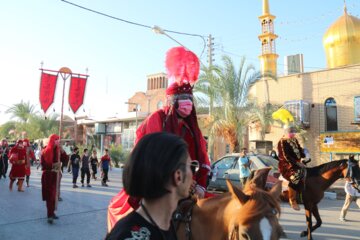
[(118, 155)]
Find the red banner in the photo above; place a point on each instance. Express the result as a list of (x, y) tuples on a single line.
[(47, 90), (76, 92)]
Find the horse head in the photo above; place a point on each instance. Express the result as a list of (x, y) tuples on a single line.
[(258, 210)]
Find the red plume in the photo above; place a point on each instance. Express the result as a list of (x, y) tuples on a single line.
[(182, 65)]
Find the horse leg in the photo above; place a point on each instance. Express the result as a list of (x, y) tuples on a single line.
[(308, 223), (316, 214)]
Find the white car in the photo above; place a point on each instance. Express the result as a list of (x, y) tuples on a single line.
[(227, 167)]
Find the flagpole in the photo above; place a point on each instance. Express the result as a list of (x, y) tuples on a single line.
[(64, 73)]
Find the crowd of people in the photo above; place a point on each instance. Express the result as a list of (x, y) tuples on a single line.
[(53, 158)]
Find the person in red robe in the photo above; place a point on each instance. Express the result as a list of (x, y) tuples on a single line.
[(177, 117), (17, 157), (30, 156), (51, 166)]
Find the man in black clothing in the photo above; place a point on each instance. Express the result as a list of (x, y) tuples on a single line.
[(162, 157), (74, 163), (85, 168), (4, 159)]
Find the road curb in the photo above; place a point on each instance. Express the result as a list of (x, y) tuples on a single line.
[(330, 195)]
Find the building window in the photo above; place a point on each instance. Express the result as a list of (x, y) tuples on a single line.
[(331, 115), (160, 105)]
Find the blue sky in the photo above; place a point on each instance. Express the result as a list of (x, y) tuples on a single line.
[(119, 56)]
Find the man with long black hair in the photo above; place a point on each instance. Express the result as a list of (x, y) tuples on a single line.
[(163, 158)]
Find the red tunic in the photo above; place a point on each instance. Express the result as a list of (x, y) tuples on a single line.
[(48, 178), (18, 165), (29, 155)]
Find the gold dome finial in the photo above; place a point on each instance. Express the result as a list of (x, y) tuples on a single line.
[(345, 9), (266, 9)]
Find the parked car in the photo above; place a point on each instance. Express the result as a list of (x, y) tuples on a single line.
[(227, 167)]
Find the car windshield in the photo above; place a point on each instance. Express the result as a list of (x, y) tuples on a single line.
[(225, 163), (269, 161)]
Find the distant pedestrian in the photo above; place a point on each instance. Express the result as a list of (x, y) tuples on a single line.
[(64, 159), (244, 166), (352, 195), (18, 161), (50, 164), (274, 155), (30, 157), (74, 165), (38, 154), (105, 164), (85, 168), (94, 164), (4, 158)]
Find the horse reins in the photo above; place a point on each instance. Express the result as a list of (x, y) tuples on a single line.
[(186, 219)]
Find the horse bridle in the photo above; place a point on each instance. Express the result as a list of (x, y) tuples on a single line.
[(183, 214)]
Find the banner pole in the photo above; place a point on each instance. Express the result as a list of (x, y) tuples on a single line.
[(64, 73)]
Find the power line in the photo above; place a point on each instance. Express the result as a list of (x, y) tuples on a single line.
[(135, 23)]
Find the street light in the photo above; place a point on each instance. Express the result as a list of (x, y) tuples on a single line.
[(136, 111), (158, 30)]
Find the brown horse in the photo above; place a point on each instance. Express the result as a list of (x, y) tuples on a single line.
[(251, 213), (320, 178)]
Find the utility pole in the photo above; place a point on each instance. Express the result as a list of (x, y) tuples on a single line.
[(210, 45)]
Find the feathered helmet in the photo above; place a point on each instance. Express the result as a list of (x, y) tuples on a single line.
[(183, 69), (285, 117)]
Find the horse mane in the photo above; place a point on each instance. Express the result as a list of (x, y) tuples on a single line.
[(318, 170), (259, 205)]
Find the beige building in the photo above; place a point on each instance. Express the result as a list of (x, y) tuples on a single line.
[(325, 103)]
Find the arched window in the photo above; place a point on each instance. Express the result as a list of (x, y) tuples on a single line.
[(160, 105), (330, 115)]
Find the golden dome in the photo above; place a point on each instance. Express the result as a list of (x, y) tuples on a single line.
[(342, 41)]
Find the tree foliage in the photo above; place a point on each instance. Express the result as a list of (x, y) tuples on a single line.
[(30, 123), (21, 111), (226, 91)]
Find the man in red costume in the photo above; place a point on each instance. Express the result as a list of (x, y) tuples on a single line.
[(177, 117), (30, 156), (18, 160), (51, 166)]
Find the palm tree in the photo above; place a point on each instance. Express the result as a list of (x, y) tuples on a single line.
[(227, 94), (21, 111), (262, 113)]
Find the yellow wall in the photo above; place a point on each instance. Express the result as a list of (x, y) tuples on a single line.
[(342, 84)]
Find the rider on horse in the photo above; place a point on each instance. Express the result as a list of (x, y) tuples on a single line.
[(290, 165)]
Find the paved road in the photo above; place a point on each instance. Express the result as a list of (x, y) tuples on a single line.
[(293, 222), (83, 213)]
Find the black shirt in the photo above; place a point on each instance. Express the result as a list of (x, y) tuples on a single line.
[(75, 160), (85, 161), (134, 226), (93, 160)]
